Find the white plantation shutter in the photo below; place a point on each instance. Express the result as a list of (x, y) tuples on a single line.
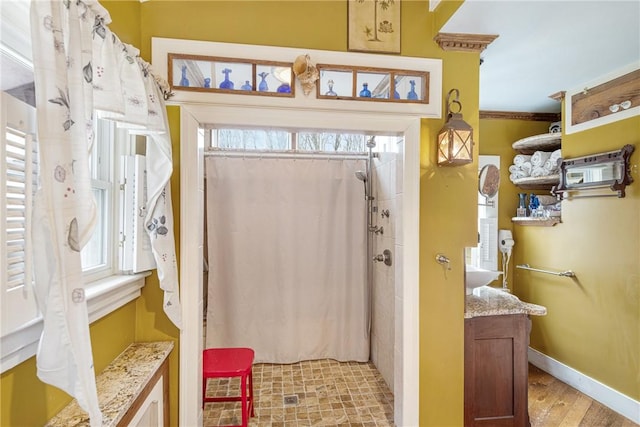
[(19, 173)]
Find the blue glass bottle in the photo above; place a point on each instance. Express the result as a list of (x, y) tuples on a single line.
[(396, 94), (184, 81), (246, 86), (534, 204), (365, 92), (412, 93), (284, 88), (263, 87), (207, 82), (226, 83)]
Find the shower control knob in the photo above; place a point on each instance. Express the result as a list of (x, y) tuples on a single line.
[(385, 257)]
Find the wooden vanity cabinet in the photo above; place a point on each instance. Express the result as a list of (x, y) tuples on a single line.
[(496, 371)]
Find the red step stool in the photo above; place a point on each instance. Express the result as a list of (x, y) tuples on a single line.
[(230, 363)]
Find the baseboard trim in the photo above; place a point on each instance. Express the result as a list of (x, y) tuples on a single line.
[(604, 394)]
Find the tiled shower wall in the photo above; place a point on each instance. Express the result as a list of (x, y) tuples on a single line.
[(387, 190)]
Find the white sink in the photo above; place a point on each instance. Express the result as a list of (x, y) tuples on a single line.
[(475, 277)]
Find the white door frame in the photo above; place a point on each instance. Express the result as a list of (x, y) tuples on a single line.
[(191, 239)]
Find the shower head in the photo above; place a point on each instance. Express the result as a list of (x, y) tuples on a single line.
[(371, 142), (362, 176)]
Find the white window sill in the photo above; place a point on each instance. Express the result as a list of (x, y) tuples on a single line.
[(103, 297)]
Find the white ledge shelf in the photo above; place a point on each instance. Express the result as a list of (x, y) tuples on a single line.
[(103, 297), (540, 222)]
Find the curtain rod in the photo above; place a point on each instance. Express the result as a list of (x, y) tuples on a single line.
[(284, 155)]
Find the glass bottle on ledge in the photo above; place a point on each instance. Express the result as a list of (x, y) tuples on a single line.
[(284, 88), (263, 87), (396, 94), (226, 83), (365, 92), (534, 204), (412, 93), (330, 92), (184, 81), (521, 211)]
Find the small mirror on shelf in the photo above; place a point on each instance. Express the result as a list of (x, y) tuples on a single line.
[(601, 170)]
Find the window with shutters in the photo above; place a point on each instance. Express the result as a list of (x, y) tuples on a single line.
[(19, 173)]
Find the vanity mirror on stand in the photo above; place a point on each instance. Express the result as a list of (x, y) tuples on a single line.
[(597, 171), (489, 183)]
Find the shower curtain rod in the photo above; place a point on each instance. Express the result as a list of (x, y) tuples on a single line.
[(285, 155)]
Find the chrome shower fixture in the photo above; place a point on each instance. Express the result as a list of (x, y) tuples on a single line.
[(371, 142), (362, 176)]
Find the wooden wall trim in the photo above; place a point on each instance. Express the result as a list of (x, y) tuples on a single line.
[(514, 115), (558, 96), (464, 42)]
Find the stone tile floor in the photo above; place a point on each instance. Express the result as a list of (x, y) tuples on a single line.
[(329, 393)]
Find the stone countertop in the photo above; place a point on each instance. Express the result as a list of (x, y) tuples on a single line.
[(488, 301), (119, 384)]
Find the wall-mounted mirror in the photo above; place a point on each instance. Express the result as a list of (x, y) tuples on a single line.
[(602, 170)]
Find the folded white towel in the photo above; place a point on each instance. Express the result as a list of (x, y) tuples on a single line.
[(513, 169), (556, 154), (519, 159), (539, 157), (526, 168), (551, 166), (539, 171), (517, 175)]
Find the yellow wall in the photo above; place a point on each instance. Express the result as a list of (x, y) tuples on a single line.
[(592, 323), (26, 401), (448, 218)]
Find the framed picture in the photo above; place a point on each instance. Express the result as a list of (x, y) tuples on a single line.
[(374, 26)]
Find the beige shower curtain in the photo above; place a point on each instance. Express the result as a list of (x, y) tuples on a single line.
[(287, 258)]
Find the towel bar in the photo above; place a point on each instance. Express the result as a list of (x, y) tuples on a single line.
[(567, 273)]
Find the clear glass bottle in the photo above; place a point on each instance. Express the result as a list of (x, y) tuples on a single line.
[(522, 205)]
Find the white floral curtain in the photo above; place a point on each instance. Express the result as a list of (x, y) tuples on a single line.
[(81, 68)]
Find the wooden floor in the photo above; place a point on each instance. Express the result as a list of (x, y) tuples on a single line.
[(553, 403)]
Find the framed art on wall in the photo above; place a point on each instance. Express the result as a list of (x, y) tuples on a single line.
[(374, 26)]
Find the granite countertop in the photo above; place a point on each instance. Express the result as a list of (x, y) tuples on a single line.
[(119, 384), (488, 301)]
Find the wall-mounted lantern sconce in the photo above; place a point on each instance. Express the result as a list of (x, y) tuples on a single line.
[(455, 139)]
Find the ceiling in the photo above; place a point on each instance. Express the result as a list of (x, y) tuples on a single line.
[(547, 46)]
